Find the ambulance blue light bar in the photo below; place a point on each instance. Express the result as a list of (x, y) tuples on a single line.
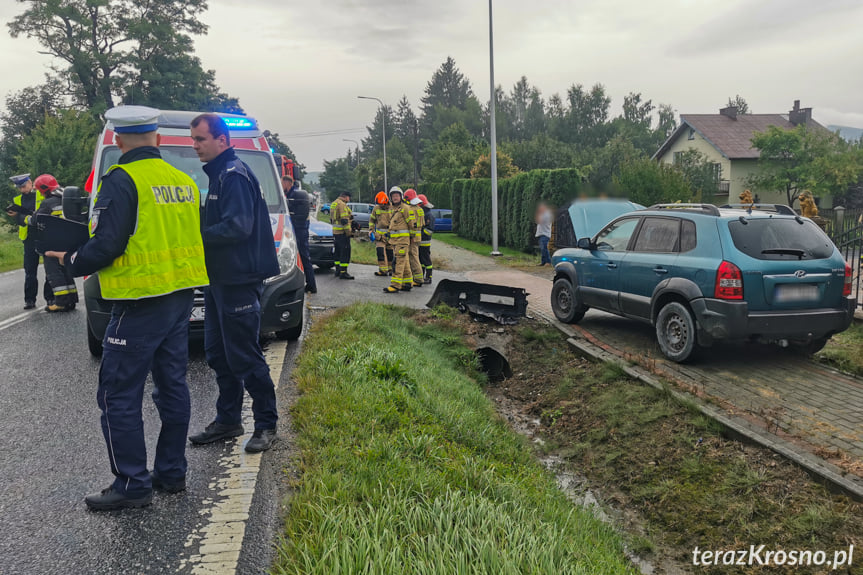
[(240, 123)]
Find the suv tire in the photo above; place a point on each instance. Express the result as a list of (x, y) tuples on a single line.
[(676, 332), (94, 344), (810, 347), (564, 302)]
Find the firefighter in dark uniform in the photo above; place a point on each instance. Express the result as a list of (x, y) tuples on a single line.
[(61, 280), (426, 238), (241, 254), (145, 242), (29, 202), (342, 220), (299, 208)]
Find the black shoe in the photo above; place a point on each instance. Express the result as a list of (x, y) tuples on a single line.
[(427, 280), (175, 487), (109, 500), (338, 271), (216, 431), (29, 305), (346, 276), (406, 288), (262, 440)]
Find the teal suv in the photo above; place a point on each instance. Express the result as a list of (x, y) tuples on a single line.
[(700, 274)]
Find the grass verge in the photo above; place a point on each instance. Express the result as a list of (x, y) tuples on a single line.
[(509, 257), (844, 351), (406, 468), (11, 254), (667, 464)]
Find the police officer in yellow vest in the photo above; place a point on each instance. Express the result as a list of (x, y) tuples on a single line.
[(145, 242), (28, 201)]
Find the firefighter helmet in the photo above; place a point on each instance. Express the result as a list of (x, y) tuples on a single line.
[(425, 201), (381, 198), (46, 183)]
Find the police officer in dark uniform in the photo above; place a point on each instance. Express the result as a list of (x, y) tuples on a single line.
[(145, 242), (28, 201), (299, 207), (241, 253)]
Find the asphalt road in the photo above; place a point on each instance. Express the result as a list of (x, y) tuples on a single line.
[(52, 454)]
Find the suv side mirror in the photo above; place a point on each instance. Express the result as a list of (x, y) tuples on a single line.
[(584, 244), (75, 203)]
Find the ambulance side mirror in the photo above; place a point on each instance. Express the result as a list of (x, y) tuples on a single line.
[(75, 202)]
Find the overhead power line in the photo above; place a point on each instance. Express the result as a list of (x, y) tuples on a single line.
[(325, 133)]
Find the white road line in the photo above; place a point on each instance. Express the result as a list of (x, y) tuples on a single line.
[(220, 538), (15, 320)]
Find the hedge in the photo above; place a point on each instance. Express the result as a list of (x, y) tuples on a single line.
[(517, 200), (437, 193)]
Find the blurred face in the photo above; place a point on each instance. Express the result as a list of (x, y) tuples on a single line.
[(207, 147), (287, 184), (26, 187), (396, 199)]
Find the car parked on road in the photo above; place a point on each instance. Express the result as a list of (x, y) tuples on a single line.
[(362, 213), (699, 274), (283, 296), (321, 244), (442, 220)]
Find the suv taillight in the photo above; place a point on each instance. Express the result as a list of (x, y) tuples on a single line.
[(729, 282), (846, 288)]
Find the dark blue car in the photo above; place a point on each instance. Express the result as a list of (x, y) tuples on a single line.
[(442, 220), (700, 274)]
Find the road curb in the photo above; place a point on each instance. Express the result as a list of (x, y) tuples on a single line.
[(821, 470)]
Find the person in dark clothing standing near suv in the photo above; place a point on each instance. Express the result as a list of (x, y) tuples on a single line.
[(240, 254), (299, 208), (28, 202)]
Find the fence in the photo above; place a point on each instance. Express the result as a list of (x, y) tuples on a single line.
[(845, 228)]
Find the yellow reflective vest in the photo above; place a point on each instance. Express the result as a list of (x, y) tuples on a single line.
[(339, 211), (165, 253), (22, 230)]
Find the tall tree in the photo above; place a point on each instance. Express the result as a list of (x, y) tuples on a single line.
[(372, 145), (24, 111), (740, 103), (587, 115), (337, 178), (107, 45), (448, 99)]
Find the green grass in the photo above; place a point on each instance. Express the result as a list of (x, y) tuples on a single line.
[(11, 253), (406, 468), (509, 257), (844, 351)]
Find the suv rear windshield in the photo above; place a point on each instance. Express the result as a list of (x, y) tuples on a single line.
[(186, 160), (780, 239)]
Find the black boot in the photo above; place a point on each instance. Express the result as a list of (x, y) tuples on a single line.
[(109, 500)]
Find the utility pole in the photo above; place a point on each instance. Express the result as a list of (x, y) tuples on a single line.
[(384, 131), (416, 154), (492, 106)]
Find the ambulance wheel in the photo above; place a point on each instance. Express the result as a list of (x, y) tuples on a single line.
[(93, 342), (291, 333)]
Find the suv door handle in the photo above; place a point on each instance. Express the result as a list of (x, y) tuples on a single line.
[(612, 265), (660, 270)]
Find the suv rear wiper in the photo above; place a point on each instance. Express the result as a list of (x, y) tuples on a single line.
[(786, 251)]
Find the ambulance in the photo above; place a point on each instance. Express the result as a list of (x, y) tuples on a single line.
[(282, 301)]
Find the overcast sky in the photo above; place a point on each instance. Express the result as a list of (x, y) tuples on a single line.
[(298, 66)]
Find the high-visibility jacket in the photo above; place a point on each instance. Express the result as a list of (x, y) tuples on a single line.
[(416, 221), (379, 221), (399, 228), (22, 230), (165, 253), (339, 211)]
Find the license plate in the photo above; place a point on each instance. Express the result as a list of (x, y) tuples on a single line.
[(197, 314), (795, 293)]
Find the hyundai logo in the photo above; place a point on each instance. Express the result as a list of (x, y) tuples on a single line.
[(800, 273)]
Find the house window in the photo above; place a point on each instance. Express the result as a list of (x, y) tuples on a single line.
[(691, 133), (675, 159)]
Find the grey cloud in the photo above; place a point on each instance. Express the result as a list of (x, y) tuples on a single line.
[(751, 24)]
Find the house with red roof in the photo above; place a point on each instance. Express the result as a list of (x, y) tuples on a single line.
[(726, 140)]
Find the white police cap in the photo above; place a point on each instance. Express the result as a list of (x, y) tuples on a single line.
[(20, 179), (133, 119)]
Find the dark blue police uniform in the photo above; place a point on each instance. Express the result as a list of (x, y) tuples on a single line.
[(143, 335), (299, 208), (31, 256), (240, 253)]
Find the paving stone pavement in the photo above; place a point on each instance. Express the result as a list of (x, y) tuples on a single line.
[(807, 404)]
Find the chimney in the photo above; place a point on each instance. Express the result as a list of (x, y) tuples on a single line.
[(799, 115), (730, 112)]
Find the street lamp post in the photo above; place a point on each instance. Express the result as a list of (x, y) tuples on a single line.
[(384, 132), (492, 106), (357, 158)]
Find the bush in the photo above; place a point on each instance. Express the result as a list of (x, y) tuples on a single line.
[(437, 193), (648, 182), (517, 200)]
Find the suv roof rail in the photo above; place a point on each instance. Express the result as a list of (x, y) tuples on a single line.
[(709, 208), (778, 208)]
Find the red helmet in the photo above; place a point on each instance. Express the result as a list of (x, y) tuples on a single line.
[(411, 195), (425, 201), (46, 183)]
